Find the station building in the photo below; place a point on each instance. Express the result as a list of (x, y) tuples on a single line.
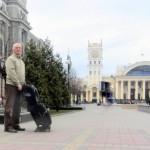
[(130, 82)]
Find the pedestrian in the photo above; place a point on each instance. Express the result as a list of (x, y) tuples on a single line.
[(15, 70)]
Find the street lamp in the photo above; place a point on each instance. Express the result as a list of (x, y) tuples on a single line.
[(68, 62)]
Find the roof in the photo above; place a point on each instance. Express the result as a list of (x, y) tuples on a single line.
[(136, 69)]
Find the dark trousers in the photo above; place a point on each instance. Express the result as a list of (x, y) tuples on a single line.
[(13, 106)]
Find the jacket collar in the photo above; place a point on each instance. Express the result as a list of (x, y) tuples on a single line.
[(18, 56)]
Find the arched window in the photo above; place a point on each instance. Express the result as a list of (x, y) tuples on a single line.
[(140, 71)]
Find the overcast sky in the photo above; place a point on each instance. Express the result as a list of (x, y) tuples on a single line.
[(123, 26)]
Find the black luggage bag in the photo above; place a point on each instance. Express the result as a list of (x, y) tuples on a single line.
[(37, 110)]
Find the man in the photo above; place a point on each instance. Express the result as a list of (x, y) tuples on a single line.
[(15, 70)]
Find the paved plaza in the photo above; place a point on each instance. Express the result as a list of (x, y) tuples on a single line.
[(95, 128)]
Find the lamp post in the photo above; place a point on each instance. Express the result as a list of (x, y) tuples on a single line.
[(68, 62)]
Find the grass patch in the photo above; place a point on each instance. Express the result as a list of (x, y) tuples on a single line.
[(54, 112)]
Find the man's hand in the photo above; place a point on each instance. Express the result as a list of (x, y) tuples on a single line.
[(19, 87)]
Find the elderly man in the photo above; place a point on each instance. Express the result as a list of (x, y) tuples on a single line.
[(15, 69)]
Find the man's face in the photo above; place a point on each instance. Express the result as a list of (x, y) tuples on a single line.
[(17, 49)]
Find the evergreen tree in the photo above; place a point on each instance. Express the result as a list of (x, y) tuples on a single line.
[(45, 70)]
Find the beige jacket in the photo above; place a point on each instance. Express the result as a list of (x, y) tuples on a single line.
[(15, 69)]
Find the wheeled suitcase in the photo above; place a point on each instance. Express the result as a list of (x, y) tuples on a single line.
[(37, 109)]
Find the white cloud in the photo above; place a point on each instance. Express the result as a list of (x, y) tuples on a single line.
[(123, 26)]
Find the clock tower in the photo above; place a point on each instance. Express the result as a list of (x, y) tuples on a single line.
[(94, 71), (95, 62)]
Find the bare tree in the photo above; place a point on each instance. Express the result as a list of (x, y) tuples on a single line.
[(75, 86)]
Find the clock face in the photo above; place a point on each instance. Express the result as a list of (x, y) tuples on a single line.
[(94, 54)]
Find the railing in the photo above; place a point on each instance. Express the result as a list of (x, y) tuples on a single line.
[(129, 101)]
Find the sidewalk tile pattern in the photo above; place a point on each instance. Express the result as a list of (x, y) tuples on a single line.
[(95, 128)]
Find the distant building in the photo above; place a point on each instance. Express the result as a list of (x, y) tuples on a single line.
[(130, 82)]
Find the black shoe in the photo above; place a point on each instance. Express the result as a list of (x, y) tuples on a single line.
[(18, 128), (42, 129), (12, 130)]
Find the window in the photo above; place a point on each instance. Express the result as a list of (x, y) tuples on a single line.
[(146, 85), (139, 84), (140, 71), (132, 83), (125, 84)]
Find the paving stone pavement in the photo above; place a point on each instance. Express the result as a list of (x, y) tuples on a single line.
[(95, 128)]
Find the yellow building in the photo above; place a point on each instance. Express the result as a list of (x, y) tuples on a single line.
[(130, 82)]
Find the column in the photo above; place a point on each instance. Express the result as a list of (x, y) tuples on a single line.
[(98, 95), (143, 89), (136, 89), (81, 96), (129, 89), (91, 95), (122, 89), (87, 95), (116, 92), (71, 98)]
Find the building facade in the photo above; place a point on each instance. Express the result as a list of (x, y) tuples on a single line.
[(14, 27), (133, 82), (129, 83)]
